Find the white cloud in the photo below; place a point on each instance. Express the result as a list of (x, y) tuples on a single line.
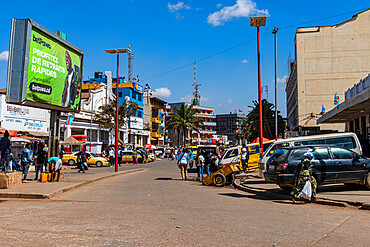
[(283, 79), (176, 7), (162, 92), (4, 56), (187, 98), (245, 61), (242, 8), (219, 5), (204, 99), (229, 100)]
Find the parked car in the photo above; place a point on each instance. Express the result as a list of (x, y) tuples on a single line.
[(346, 140), (127, 157), (331, 165), (91, 159)]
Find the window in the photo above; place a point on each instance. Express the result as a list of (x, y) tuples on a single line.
[(254, 149), (340, 153), (345, 142), (232, 153), (139, 97), (133, 95), (276, 147), (309, 142), (119, 94), (139, 114), (279, 155), (297, 154), (321, 154)]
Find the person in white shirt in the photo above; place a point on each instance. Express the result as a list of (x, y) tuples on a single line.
[(244, 158), (111, 156), (200, 165)]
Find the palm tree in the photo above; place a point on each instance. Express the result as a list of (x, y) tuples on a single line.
[(184, 119), (268, 118), (106, 117)]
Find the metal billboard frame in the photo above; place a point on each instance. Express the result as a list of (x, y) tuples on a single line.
[(19, 50)]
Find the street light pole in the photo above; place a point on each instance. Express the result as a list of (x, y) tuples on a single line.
[(258, 21), (117, 51), (276, 116)]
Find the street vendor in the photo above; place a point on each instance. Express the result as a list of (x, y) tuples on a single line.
[(55, 167)]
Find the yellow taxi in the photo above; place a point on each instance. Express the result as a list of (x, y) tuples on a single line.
[(91, 159), (127, 156), (194, 149)]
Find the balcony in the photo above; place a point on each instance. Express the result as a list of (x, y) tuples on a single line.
[(156, 135), (209, 123), (156, 120)]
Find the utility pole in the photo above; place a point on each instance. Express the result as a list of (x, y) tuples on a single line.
[(276, 115), (196, 85)]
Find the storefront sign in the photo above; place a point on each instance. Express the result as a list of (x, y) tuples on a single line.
[(138, 88)]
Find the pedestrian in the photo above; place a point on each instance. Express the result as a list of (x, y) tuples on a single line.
[(56, 167), (120, 155), (111, 156), (191, 157), (27, 160), (5, 149), (304, 171), (61, 152), (81, 159), (176, 153), (173, 154), (46, 149), (143, 153), (183, 161), (244, 156), (200, 165), (207, 162), (134, 157), (40, 160), (104, 153)]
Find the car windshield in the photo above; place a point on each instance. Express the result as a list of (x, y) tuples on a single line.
[(297, 154), (280, 155), (93, 155)]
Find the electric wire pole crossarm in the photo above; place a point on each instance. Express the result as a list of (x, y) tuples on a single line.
[(117, 51)]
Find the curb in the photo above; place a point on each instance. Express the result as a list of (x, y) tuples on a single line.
[(322, 201), (63, 190)]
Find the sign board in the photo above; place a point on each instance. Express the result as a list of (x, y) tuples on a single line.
[(44, 70), (137, 88)]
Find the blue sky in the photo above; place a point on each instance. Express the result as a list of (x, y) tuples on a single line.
[(169, 34)]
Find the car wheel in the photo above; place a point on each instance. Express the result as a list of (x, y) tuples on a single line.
[(367, 180), (219, 180), (71, 162), (99, 164)]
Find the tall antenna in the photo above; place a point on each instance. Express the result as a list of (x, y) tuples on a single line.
[(266, 90), (196, 85), (130, 64)]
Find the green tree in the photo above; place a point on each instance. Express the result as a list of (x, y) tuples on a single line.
[(242, 133), (183, 119), (106, 117), (268, 120)]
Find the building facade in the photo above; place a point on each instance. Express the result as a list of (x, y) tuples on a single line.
[(229, 125), (328, 59), (207, 129), (154, 118)]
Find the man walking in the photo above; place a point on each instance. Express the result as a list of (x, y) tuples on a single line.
[(5, 149), (111, 156), (26, 161), (183, 161), (40, 160), (244, 158)]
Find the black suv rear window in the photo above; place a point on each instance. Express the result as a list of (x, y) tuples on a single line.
[(280, 155)]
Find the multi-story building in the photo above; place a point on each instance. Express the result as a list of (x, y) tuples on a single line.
[(328, 59), (229, 124), (207, 129), (154, 118)]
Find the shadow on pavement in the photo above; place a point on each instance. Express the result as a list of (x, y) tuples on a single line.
[(166, 179), (341, 187)]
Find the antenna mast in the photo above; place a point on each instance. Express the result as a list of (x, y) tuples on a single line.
[(130, 65), (196, 85)]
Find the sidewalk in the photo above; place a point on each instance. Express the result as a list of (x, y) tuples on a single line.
[(72, 180), (334, 194)]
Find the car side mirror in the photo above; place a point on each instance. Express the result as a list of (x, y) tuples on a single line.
[(356, 158)]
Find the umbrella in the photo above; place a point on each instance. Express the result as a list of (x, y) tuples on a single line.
[(257, 140), (151, 146)]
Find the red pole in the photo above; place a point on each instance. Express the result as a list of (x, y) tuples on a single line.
[(117, 99), (259, 90)]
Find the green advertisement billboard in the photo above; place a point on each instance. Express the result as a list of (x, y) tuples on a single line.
[(48, 71), (53, 73)]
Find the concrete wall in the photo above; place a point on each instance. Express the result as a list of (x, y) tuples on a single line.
[(329, 60)]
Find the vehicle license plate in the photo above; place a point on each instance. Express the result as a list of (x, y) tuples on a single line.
[(271, 168)]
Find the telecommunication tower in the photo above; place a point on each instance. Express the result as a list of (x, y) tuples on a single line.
[(196, 85), (130, 65)]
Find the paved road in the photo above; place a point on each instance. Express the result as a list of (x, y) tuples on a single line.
[(156, 208)]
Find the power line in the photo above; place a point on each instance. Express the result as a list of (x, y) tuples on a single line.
[(250, 40)]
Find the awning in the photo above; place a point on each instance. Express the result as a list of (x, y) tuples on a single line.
[(350, 109), (38, 133), (71, 141)]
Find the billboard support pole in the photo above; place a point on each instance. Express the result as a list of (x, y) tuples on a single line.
[(54, 133), (117, 106)]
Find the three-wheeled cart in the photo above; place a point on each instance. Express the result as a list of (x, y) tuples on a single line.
[(223, 175)]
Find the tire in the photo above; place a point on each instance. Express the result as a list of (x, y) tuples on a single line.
[(71, 162), (140, 160), (99, 164), (219, 180), (367, 180)]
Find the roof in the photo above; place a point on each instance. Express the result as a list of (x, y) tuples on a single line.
[(157, 99)]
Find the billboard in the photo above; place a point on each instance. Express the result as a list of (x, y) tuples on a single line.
[(44, 70)]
